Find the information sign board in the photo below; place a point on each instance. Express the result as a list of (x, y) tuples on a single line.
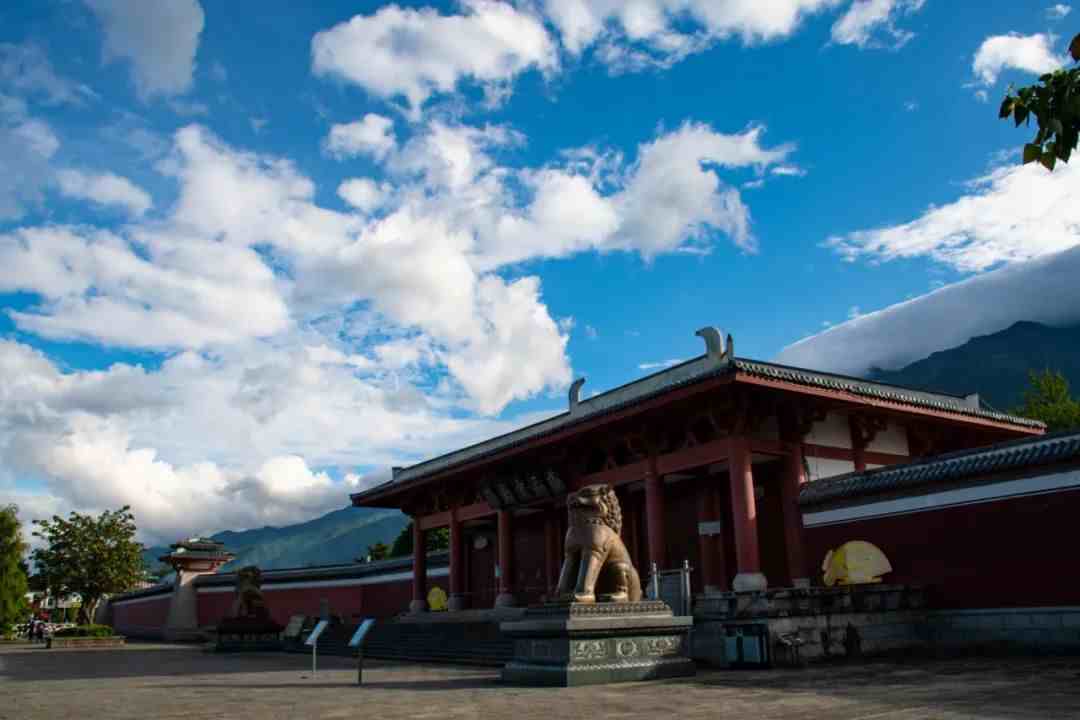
[(296, 624), (361, 632), (313, 638)]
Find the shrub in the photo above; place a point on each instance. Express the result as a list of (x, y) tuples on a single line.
[(86, 631)]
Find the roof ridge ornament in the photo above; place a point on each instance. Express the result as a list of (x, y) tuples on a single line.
[(575, 394), (715, 349)]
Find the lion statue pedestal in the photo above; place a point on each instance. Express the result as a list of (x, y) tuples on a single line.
[(597, 629), (250, 626)]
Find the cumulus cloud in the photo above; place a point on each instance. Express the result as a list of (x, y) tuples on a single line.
[(364, 194), (1040, 290), (104, 189), (1015, 213), (865, 18), (414, 54), (26, 144), (373, 135), (1029, 53), (160, 41), (189, 457)]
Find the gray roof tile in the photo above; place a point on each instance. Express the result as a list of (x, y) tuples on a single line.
[(1013, 455)]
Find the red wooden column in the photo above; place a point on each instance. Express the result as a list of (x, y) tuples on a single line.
[(794, 477), (506, 561), (707, 545), (744, 517), (419, 578), (654, 519), (457, 565)]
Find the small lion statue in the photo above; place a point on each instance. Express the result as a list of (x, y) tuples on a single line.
[(249, 601), (596, 564)]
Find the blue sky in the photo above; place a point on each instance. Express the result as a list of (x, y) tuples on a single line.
[(252, 254)]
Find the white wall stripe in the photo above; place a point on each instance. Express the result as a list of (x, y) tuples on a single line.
[(345, 582), (1037, 485)]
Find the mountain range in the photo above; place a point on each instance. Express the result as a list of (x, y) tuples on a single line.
[(340, 536), (996, 366)]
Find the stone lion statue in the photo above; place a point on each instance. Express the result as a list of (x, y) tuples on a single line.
[(597, 564), (249, 601)]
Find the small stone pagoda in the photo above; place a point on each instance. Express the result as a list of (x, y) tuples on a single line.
[(190, 558)]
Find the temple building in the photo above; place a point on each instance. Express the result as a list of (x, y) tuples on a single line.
[(708, 459)]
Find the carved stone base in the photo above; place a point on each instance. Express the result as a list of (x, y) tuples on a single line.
[(572, 644), (505, 600), (418, 606), (749, 582), (455, 603)]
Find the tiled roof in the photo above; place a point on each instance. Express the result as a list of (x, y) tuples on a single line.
[(693, 371), (328, 572), (1013, 455)]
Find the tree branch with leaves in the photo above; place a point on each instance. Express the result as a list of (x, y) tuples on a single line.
[(1055, 104), (91, 556)]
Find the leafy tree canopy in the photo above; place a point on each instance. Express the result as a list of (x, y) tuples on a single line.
[(1055, 104), (1048, 399), (438, 539), (13, 570), (91, 556), (378, 551)]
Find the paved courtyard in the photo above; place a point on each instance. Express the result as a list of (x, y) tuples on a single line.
[(172, 681)]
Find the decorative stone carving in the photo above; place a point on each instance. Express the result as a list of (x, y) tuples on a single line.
[(597, 563), (589, 650)]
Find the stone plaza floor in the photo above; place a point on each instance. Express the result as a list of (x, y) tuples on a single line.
[(157, 681)]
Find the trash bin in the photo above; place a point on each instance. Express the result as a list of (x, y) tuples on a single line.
[(747, 645)]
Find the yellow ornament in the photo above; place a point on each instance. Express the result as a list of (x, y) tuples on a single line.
[(436, 599), (855, 563)]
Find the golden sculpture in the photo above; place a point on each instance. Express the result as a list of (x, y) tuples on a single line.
[(436, 599), (855, 563), (596, 563)]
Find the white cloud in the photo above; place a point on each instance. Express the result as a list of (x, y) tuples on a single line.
[(364, 194), (1040, 290), (209, 442), (1058, 11), (632, 35), (864, 18), (26, 145), (373, 135), (398, 52), (104, 189), (159, 39), (1030, 53), (25, 69), (1015, 213)]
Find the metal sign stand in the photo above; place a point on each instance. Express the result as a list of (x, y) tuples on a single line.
[(358, 643), (313, 641)]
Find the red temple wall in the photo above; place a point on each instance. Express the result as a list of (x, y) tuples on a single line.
[(1006, 553), (379, 600), (142, 617)]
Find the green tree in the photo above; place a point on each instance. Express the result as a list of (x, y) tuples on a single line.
[(91, 556), (437, 539), (378, 551), (1055, 104), (13, 584), (1048, 399)]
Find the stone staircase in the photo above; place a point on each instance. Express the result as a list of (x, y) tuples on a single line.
[(468, 643)]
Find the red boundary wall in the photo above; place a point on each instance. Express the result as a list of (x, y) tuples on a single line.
[(142, 617), (1016, 552)]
